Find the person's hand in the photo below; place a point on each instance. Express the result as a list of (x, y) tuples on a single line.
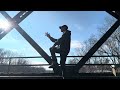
[(47, 34)]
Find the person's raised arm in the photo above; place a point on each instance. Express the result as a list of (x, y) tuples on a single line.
[(51, 38)]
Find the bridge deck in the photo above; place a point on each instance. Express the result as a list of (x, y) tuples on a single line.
[(53, 76)]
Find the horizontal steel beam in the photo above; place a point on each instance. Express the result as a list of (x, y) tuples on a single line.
[(56, 56), (65, 65)]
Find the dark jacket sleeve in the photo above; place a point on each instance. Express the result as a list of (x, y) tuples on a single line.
[(52, 39), (60, 40)]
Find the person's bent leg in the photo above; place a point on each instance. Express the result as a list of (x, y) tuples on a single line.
[(53, 51)]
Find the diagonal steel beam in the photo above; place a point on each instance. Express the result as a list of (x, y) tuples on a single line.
[(97, 45), (18, 18), (114, 14), (28, 38), (21, 16)]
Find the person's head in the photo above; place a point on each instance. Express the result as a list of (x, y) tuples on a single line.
[(63, 28)]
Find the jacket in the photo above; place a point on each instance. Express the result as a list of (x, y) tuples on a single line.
[(63, 42)]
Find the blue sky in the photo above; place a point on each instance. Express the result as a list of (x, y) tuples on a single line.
[(82, 24)]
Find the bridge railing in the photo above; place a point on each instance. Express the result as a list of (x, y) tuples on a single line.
[(94, 68)]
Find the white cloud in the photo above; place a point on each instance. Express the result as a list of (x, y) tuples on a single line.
[(9, 39), (78, 27), (76, 44), (13, 50), (38, 62), (28, 50)]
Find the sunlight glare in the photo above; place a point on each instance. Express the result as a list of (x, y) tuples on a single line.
[(4, 25)]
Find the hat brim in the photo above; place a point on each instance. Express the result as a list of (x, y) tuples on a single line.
[(60, 27)]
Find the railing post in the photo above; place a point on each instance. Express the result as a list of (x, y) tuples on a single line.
[(9, 66)]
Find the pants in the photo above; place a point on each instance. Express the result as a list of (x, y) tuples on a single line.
[(63, 56)]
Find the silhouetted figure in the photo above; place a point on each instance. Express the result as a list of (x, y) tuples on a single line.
[(61, 46)]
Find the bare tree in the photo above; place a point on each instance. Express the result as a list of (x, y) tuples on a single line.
[(6, 60), (110, 47)]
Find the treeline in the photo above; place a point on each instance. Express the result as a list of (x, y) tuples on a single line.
[(110, 48), (6, 64)]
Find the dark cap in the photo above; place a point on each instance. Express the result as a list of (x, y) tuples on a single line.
[(65, 26)]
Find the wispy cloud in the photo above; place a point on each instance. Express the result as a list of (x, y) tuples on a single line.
[(9, 39), (78, 27), (10, 49), (76, 44), (39, 62)]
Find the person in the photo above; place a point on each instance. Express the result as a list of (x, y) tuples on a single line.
[(61, 46)]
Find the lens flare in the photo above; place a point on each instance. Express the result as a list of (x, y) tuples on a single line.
[(4, 25)]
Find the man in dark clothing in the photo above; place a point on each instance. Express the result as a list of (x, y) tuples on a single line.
[(62, 46)]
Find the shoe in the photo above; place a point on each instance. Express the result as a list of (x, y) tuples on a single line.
[(53, 65)]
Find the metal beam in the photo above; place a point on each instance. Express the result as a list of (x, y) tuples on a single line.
[(96, 46), (28, 38), (114, 14), (117, 12), (18, 18), (22, 15)]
